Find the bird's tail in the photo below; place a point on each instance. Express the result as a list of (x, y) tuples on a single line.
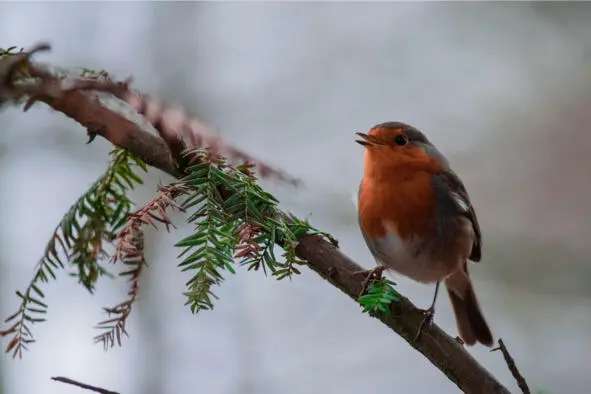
[(471, 323)]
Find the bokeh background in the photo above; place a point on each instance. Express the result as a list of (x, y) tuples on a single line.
[(504, 89)]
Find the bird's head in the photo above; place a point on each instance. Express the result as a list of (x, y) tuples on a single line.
[(395, 145)]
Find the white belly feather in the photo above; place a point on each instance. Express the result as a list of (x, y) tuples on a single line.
[(412, 259)]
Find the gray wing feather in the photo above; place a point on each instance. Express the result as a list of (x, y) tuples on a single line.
[(454, 199)]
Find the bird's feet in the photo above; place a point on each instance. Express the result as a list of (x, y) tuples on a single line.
[(426, 322), (372, 274)]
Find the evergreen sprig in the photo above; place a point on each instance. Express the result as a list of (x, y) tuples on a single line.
[(209, 249), (95, 218), (256, 209), (234, 219), (380, 294)]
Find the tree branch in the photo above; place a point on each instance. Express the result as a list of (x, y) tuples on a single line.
[(443, 351)]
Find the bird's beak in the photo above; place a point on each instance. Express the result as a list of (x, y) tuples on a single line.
[(368, 140)]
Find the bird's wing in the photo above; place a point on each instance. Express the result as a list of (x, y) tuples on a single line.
[(460, 196)]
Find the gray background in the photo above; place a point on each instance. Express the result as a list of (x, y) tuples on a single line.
[(503, 89)]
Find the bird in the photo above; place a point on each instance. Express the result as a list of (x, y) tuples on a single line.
[(417, 220)]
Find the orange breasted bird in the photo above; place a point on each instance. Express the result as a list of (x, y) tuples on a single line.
[(417, 219)]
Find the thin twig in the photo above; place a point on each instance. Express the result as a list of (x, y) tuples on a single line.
[(83, 385), (512, 367)]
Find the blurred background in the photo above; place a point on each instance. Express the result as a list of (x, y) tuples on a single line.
[(502, 88)]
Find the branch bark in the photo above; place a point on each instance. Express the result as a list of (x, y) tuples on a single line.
[(443, 351)]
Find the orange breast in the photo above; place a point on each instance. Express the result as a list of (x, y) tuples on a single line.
[(404, 199)]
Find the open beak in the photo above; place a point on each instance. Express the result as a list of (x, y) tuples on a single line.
[(368, 140)]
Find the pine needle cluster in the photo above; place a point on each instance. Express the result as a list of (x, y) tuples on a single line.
[(78, 243), (234, 219), (235, 223)]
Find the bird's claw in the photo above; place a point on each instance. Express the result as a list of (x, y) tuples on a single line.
[(426, 322)]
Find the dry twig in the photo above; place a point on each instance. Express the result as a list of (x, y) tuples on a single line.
[(247, 246), (512, 367), (179, 130), (83, 385), (130, 251)]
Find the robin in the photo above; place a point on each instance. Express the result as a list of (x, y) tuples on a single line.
[(417, 219)]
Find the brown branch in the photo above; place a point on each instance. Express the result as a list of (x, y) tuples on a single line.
[(11, 65), (512, 367), (443, 351), (439, 348), (83, 385), (176, 127)]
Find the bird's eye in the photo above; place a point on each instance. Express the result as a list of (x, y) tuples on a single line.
[(400, 140)]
